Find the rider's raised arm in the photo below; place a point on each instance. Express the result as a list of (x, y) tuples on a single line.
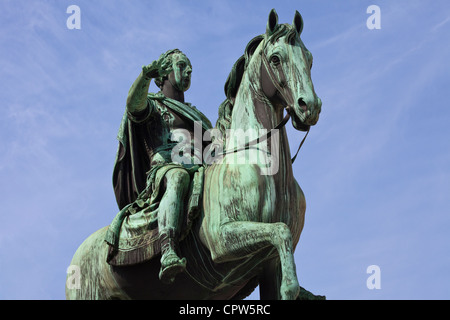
[(137, 96)]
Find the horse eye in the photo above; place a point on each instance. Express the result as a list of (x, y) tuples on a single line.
[(275, 59)]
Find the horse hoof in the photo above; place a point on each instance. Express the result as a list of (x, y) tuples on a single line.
[(290, 292)]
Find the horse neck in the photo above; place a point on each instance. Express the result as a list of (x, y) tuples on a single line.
[(255, 112)]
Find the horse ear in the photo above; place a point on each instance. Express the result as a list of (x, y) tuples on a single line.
[(272, 23), (298, 22)]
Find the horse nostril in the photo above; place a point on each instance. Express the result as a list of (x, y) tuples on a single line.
[(302, 104)]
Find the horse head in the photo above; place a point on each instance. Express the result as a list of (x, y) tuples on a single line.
[(286, 71)]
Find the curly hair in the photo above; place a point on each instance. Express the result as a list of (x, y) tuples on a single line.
[(165, 61)]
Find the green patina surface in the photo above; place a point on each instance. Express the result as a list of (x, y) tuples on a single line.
[(220, 228)]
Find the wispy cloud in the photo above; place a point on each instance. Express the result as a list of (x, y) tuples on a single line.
[(441, 24), (368, 187)]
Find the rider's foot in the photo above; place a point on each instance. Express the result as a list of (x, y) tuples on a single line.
[(171, 265)]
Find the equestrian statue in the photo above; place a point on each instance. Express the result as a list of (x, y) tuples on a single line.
[(207, 212)]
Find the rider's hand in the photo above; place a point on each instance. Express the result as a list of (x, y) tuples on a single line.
[(156, 69)]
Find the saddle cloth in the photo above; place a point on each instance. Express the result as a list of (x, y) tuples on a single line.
[(133, 235)]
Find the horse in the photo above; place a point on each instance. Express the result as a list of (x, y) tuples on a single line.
[(252, 217)]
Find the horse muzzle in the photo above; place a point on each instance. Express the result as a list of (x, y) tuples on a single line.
[(306, 113)]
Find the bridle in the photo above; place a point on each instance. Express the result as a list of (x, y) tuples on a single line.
[(287, 101), (286, 96)]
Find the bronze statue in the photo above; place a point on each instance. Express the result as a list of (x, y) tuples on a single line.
[(236, 222)]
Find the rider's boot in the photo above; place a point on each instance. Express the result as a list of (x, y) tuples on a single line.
[(171, 264)]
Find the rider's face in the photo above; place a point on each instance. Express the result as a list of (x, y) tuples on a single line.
[(180, 78)]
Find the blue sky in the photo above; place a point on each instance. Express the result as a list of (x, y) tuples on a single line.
[(375, 169)]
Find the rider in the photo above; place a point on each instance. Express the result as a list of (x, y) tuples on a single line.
[(146, 180)]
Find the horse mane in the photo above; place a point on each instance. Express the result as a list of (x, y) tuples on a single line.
[(237, 71)]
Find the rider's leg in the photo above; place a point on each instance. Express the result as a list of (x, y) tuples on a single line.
[(169, 222)]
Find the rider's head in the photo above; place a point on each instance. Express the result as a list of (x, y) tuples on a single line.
[(178, 67)]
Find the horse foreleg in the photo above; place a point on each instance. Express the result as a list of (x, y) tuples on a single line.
[(237, 240)]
